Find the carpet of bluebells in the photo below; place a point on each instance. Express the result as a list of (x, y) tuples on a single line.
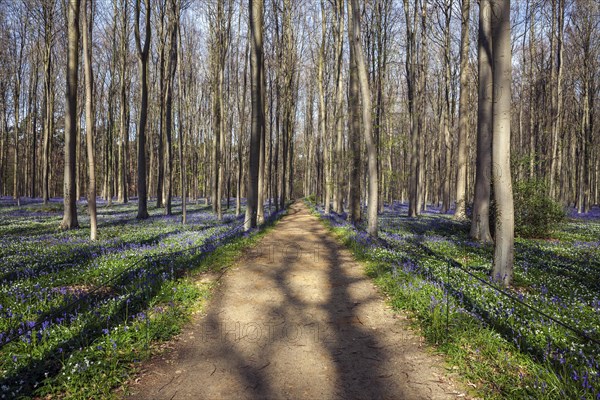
[(504, 343), (73, 312)]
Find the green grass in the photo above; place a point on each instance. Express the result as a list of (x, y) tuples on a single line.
[(482, 350), (101, 341)]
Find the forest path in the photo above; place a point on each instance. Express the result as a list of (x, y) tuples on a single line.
[(296, 318)]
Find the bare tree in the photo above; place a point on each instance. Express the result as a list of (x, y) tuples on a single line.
[(501, 174), (123, 186), (339, 97), (70, 202), (257, 98), (48, 10), (171, 70), (89, 113), (480, 223), (461, 172), (354, 214), (411, 83), (363, 80), (143, 52)]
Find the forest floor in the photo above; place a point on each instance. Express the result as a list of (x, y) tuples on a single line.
[(296, 317)]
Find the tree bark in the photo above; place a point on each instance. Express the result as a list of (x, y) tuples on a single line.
[(258, 96), (48, 112), (70, 202), (339, 120), (89, 114), (354, 214), (143, 52), (411, 82), (461, 172), (480, 223), (501, 173), (363, 79), (124, 140), (168, 101)]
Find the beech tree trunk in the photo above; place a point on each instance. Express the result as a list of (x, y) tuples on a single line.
[(143, 52), (363, 80), (461, 172), (124, 139), (339, 120), (258, 96), (89, 114), (354, 214), (501, 173), (480, 223), (70, 202)]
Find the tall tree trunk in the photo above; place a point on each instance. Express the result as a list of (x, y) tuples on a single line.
[(89, 114), (446, 112), (354, 136), (33, 121), (339, 121), (242, 133), (461, 172), (258, 96), (363, 80), (183, 95), (143, 52), (48, 101), (532, 131), (501, 174), (70, 202), (480, 223), (160, 157), (124, 139), (322, 121), (411, 78), (168, 100)]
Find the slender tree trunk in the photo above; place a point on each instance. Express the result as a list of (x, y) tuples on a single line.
[(260, 207), (339, 121), (532, 131), (363, 80), (258, 96), (48, 103), (124, 140), (168, 100), (354, 134), (480, 223), (143, 53), (183, 94), (461, 172), (242, 133), (446, 110), (411, 77), (89, 114), (70, 202), (322, 121), (501, 173), (160, 157)]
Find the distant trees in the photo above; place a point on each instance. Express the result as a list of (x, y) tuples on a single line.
[(403, 128)]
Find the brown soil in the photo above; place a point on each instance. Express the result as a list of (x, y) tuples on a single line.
[(296, 318)]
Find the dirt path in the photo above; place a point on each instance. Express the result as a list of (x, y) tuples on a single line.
[(296, 319)]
